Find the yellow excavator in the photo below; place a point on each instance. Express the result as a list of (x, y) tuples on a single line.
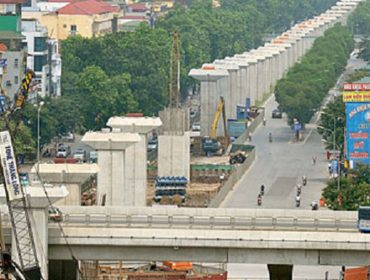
[(214, 145)]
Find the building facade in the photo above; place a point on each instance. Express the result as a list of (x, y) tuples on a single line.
[(12, 55), (86, 18), (43, 58)]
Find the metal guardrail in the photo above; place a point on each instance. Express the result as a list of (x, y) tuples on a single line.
[(212, 219), (214, 222)]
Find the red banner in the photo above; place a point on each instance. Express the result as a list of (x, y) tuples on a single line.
[(356, 87)]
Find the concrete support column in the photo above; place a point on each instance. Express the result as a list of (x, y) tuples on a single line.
[(233, 91), (174, 145), (39, 221), (174, 155), (208, 95), (135, 173), (70, 175), (112, 180), (280, 272)]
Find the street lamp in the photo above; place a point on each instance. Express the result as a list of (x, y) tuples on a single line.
[(335, 119), (39, 106)]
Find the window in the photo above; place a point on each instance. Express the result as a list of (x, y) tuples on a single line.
[(16, 62), (39, 62), (16, 79), (73, 29), (40, 44)]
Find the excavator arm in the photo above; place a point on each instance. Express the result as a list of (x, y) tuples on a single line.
[(220, 110)]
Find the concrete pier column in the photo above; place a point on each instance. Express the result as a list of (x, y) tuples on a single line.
[(223, 87), (280, 272), (39, 206), (112, 180), (231, 97), (174, 144), (208, 95), (251, 75), (279, 53), (136, 156), (243, 72), (70, 175)]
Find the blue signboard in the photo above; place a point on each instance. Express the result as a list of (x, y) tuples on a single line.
[(358, 130), (334, 167)]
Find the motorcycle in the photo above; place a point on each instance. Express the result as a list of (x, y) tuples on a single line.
[(270, 137), (304, 180), (259, 200), (298, 202), (262, 191)]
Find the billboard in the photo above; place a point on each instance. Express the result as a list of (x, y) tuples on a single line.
[(9, 165), (357, 134), (356, 96)]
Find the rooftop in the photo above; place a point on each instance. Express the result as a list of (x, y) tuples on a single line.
[(88, 7), (12, 1)]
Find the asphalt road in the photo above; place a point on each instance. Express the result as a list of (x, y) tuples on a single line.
[(280, 165)]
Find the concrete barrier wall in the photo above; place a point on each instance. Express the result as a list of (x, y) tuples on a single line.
[(251, 128), (233, 179), (241, 169)]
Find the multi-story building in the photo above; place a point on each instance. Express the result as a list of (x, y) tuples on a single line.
[(11, 51), (43, 58), (87, 18)]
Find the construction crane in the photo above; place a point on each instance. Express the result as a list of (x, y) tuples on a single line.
[(212, 145), (174, 85), (28, 267)]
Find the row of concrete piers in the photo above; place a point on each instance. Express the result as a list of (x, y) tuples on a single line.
[(252, 75)]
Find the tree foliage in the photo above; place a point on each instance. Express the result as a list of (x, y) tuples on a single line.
[(354, 190), (128, 71), (332, 122), (301, 92)]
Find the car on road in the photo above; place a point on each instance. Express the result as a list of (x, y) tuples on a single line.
[(69, 137), (276, 114), (152, 145), (80, 155), (24, 179), (195, 127), (55, 215), (63, 151)]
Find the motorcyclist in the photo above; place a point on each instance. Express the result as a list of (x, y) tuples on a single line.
[(298, 201), (262, 192), (314, 205), (264, 121), (270, 137), (304, 180), (259, 199), (299, 190)]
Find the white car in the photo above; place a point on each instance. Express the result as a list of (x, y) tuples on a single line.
[(195, 127)]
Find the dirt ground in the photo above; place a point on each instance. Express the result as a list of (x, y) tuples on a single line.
[(198, 194)]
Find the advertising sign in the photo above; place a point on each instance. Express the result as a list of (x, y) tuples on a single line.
[(358, 130), (9, 165), (356, 87), (356, 96)]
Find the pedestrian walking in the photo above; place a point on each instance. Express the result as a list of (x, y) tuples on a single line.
[(314, 158)]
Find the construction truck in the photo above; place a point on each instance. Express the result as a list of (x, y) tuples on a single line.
[(216, 145)]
